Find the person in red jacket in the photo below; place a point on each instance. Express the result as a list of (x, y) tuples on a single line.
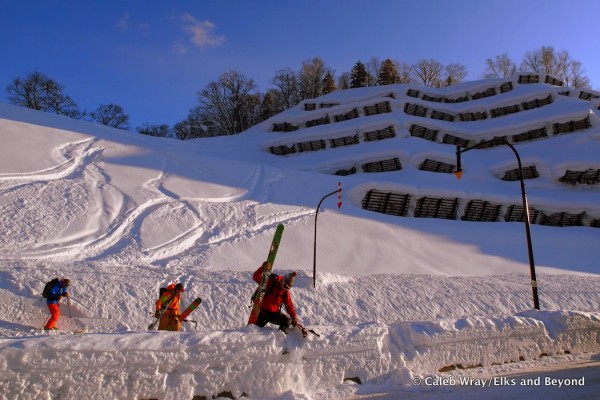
[(277, 293), (170, 319)]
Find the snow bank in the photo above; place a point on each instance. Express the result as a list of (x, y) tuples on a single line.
[(250, 360)]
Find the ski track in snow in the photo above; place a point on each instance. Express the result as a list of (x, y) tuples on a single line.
[(237, 218)]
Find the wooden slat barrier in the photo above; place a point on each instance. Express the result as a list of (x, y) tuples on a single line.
[(379, 108), (423, 132), (587, 177), (346, 116), (437, 166), (415, 109), (442, 116), (529, 172), (344, 141), (312, 145), (380, 134), (571, 126), (392, 164), (516, 213), (562, 219), (482, 211), (437, 207), (533, 134), (386, 202)]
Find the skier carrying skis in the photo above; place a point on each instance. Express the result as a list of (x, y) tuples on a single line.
[(170, 320), (58, 291), (277, 293)]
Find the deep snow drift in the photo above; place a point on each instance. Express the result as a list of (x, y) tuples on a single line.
[(399, 300)]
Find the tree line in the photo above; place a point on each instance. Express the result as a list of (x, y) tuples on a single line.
[(232, 104)]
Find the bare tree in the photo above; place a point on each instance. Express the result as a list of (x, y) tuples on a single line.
[(311, 76), (345, 81), (288, 84), (111, 115), (428, 72), (541, 61), (194, 126), (161, 130), (455, 73), (501, 67), (404, 72), (373, 67), (557, 64), (228, 104), (39, 92), (575, 76)]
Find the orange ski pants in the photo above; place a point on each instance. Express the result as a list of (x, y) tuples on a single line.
[(54, 316)]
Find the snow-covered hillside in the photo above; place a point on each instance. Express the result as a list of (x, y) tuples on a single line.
[(433, 283)]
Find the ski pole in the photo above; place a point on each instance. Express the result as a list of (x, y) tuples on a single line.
[(189, 321), (69, 306), (47, 319)]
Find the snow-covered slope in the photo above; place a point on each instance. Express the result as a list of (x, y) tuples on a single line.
[(399, 293)]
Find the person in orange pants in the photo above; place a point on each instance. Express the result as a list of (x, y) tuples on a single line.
[(170, 319), (58, 291)]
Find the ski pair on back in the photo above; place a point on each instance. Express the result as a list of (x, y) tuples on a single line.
[(273, 293), (168, 316)]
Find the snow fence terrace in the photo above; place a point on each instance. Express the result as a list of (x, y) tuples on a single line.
[(169, 365)]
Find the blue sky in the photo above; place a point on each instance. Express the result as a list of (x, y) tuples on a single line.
[(152, 57)]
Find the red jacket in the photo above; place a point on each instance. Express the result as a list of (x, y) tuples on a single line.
[(275, 294)]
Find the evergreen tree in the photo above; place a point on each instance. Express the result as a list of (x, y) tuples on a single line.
[(359, 76), (388, 74), (267, 107), (328, 83)]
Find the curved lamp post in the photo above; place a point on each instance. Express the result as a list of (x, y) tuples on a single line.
[(458, 173), (339, 191)]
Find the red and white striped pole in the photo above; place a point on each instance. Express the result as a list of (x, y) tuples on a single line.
[(339, 194)]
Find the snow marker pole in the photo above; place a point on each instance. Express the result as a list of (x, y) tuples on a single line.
[(339, 192)]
